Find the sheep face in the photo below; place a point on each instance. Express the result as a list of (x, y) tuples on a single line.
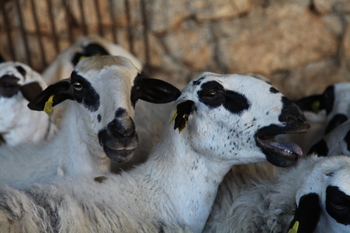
[(106, 89), (237, 114), (19, 84), (323, 198)]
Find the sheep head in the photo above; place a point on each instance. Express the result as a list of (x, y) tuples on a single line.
[(237, 118), (106, 88)]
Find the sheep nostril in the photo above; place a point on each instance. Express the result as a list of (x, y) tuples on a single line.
[(119, 131)]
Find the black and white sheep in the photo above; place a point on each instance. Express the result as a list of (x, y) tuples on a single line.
[(217, 123), (98, 121), (313, 196), (20, 84), (84, 47), (324, 112)]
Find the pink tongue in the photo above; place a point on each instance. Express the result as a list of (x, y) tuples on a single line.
[(288, 148)]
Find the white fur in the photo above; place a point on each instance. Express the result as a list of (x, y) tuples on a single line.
[(76, 148), (269, 205), (175, 187), (19, 124)]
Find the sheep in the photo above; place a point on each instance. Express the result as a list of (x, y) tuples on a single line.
[(87, 46), (97, 125), (324, 112), (218, 121), (149, 118), (19, 84), (312, 196)]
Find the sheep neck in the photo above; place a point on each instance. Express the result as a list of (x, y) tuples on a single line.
[(184, 182), (81, 158)]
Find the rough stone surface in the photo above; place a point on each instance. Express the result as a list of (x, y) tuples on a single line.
[(301, 45)]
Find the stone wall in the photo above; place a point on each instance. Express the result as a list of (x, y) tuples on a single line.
[(301, 45)]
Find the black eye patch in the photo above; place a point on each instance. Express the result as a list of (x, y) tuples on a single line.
[(88, 95), (338, 205), (9, 86), (214, 95)]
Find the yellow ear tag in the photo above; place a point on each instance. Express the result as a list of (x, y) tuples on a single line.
[(182, 123), (173, 116), (48, 105), (295, 228), (315, 106), (82, 58)]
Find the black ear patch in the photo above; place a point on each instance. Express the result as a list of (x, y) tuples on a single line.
[(22, 71), (320, 148), (338, 205), (153, 91), (337, 120), (61, 91), (214, 95), (182, 111), (9, 86), (307, 214), (31, 90)]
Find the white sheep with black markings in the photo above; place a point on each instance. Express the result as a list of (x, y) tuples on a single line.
[(97, 124), (313, 196), (149, 118), (217, 123), (324, 112), (19, 84), (86, 46)]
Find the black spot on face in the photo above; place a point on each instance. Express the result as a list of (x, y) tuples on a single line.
[(99, 118), (214, 95), (85, 93), (9, 86), (100, 179), (273, 90), (198, 81), (21, 70), (338, 205), (337, 120), (320, 148), (120, 112)]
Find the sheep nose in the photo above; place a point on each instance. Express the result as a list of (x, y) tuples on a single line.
[(122, 128)]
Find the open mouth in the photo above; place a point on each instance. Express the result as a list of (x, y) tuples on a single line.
[(281, 154)]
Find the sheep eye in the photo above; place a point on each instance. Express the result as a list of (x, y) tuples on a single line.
[(338, 207), (77, 86), (211, 94)]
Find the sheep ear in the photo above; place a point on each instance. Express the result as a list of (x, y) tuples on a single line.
[(181, 113), (153, 90), (314, 103), (307, 214), (58, 92), (31, 90)]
